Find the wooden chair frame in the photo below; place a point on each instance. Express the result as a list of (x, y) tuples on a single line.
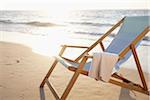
[(115, 79)]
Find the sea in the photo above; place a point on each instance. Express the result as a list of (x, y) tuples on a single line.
[(45, 31)]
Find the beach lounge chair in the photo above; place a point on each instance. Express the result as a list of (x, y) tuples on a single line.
[(131, 32)]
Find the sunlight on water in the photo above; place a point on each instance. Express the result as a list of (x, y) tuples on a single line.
[(50, 44)]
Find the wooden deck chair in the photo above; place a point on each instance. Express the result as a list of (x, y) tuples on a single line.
[(131, 32)]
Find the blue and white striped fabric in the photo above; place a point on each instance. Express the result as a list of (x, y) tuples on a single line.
[(131, 28)]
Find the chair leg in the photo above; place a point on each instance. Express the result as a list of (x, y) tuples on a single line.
[(48, 74), (73, 79), (139, 67), (70, 85)]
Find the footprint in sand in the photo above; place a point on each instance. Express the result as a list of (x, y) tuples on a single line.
[(1, 86), (8, 64), (17, 61)]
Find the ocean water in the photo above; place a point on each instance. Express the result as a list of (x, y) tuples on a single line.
[(56, 28), (91, 22)]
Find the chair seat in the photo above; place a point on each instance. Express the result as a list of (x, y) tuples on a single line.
[(67, 63), (86, 67)]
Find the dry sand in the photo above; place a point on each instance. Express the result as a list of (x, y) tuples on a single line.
[(21, 72)]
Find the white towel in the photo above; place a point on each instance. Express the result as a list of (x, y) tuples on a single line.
[(102, 65), (94, 68), (107, 63)]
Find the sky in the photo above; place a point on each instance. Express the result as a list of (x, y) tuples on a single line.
[(73, 4)]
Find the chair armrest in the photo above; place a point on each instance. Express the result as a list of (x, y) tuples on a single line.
[(62, 50), (89, 56), (71, 46)]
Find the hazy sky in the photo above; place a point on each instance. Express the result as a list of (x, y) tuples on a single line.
[(72, 4)]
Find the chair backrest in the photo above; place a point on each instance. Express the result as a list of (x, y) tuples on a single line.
[(130, 29)]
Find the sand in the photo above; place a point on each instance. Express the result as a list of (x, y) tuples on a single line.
[(21, 72)]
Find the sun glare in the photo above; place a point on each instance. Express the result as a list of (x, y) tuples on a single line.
[(50, 45)]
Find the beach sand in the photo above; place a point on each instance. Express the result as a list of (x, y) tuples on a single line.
[(21, 72)]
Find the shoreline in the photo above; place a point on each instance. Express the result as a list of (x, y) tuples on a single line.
[(23, 70)]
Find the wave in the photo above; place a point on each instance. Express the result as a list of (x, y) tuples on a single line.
[(95, 34), (32, 23), (91, 23), (44, 24), (146, 38), (6, 21)]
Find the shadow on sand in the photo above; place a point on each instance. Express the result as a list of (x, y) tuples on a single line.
[(42, 94), (125, 95)]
